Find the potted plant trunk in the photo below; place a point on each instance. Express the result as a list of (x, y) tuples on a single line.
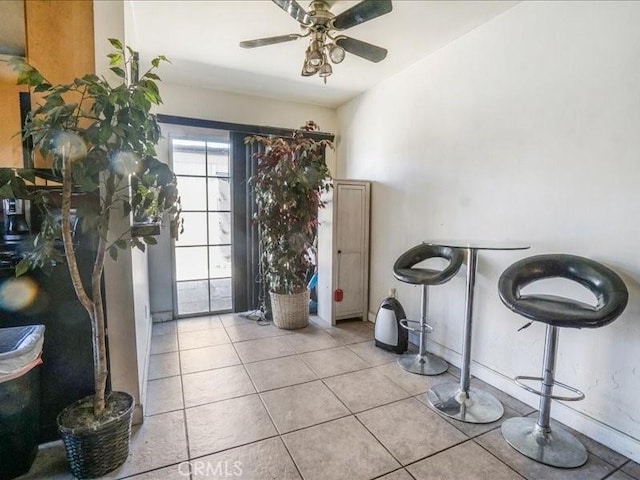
[(290, 178), (98, 137)]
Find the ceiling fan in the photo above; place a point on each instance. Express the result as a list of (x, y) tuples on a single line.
[(327, 45)]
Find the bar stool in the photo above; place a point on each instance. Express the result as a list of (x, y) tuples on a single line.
[(424, 363), (534, 437)]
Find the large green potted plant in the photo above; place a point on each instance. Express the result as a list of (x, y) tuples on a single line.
[(290, 178), (100, 139)]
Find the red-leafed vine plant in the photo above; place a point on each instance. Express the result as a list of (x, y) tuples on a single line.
[(288, 184)]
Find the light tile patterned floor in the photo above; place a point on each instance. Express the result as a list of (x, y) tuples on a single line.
[(230, 399)]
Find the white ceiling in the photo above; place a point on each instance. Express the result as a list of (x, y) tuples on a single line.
[(201, 40)]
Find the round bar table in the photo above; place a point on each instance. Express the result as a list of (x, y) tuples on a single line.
[(463, 402)]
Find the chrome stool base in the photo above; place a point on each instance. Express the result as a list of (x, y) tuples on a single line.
[(426, 364), (476, 406), (556, 447)]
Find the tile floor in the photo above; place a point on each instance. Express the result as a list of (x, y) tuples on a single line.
[(228, 398)]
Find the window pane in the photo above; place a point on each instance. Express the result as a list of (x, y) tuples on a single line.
[(219, 228), (220, 261), (219, 194), (189, 157), (191, 263), (203, 262), (193, 297), (195, 229), (193, 193), (220, 294), (218, 159)]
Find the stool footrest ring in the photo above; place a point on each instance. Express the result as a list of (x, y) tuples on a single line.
[(405, 324), (579, 395)]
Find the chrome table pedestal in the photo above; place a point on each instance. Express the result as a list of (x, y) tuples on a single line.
[(463, 402)]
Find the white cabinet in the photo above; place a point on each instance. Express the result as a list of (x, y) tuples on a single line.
[(343, 252)]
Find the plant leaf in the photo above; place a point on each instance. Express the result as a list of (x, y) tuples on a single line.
[(23, 267), (150, 240), (118, 71), (116, 43)]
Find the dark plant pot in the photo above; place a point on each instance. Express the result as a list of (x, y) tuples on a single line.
[(94, 450)]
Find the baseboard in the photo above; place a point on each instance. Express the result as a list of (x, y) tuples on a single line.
[(159, 317), (138, 416), (371, 317), (579, 421), (145, 372)]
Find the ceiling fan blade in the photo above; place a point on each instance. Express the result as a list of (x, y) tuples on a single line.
[(362, 49), (261, 42), (294, 9), (361, 12)]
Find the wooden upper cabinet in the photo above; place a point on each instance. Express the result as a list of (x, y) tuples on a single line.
[(60, 38), (10, 141), (59, 43), (12, 42)]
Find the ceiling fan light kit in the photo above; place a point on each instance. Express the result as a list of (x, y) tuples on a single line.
[(326, 45)]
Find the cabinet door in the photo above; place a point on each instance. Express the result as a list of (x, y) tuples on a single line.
[(351, 281), (350, 205), (60, 44), (10, 141)]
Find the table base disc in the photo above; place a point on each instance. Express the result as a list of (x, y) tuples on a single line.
[(477, 406), (426, 364)]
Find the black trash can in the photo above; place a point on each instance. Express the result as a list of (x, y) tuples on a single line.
[(20, 350)]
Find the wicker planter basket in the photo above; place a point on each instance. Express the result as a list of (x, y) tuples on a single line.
[(290, 311), (94, 451)]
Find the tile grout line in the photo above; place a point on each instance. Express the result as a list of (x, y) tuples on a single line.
[(355, 416), (184, 405), (368, 367), (340, 345), (401, 469), (610, 474), (275, 427), (457, 444), (147, 471), (473, 439), (228, 449), (456, 423), (420, 459), (589, 452), (497, 458), (379, 442), (183, 418)]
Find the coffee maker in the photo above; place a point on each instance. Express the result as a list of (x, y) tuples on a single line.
[(15, 222)]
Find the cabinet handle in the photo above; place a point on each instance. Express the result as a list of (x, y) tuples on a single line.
[(339, 252)]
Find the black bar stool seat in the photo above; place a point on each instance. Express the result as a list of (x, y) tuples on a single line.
[(404, 269), (534, 437)]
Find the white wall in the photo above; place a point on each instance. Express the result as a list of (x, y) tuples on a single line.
[(126, 281), (206, 104), (202, 103), (527, 128)]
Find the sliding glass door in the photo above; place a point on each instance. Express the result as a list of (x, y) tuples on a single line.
[(203, 260), (215, 263)]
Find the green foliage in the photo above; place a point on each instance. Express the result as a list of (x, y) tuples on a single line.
[(100, 139), (110, 135), (290, 178)]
